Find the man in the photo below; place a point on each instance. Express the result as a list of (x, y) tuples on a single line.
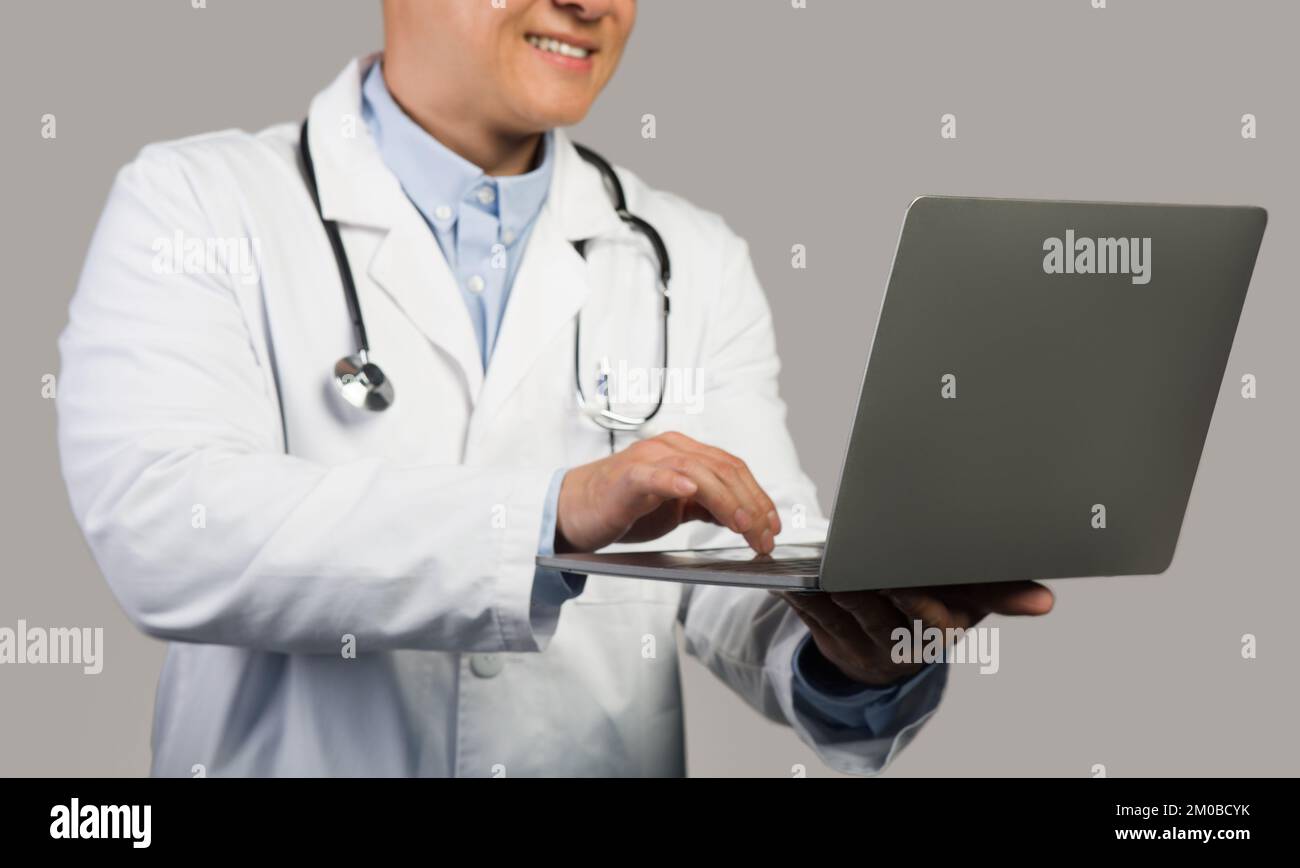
[(351, 593)]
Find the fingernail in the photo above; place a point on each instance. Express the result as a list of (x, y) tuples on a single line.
[(685, 486), (743, 521), (767, 542)]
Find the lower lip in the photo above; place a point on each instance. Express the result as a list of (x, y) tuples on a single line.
[(576, 64)]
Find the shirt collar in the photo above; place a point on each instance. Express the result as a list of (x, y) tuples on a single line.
[(441, 182)]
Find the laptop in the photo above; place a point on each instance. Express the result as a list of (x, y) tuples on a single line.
[(1036, 399)]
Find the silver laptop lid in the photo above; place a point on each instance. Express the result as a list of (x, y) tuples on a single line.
[(1038, 391)]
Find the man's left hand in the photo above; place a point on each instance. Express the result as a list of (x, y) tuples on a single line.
[(853, 630)]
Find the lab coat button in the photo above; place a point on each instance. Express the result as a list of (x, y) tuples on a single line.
[(486, 665)]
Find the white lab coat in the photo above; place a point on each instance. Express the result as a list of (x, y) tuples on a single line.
[(410, 534)]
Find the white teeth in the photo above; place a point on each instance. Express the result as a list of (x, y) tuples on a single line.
[(555, 46)]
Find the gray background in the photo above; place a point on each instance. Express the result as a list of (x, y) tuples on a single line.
[(815, 126)]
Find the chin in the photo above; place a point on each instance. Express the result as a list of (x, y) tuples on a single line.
[(550, 107), (548, 117), (568, 118)]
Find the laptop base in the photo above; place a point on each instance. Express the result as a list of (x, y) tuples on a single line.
[(788, 567)]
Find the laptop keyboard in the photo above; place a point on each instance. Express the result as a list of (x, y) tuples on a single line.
[(769, 567)]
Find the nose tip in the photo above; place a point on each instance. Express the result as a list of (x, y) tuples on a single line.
[(587, 10)]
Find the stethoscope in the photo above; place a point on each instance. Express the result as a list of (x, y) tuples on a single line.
[(362, 383)]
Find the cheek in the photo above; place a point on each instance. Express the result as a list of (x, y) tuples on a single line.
[(609, 65), (626, 12)]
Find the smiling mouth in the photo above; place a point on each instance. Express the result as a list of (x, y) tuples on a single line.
[(557, 46)]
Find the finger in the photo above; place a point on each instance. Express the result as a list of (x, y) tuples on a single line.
[(839, 637), (734, 470), (660, 483), (726, 502), (825, 641), (752, 498), (721, 500), (1001, 598), (696, 512), (728, 468), (792, 600), (834, 620), (765, 508), (930, 610), (832, 649), (800, 603), (876, 615)]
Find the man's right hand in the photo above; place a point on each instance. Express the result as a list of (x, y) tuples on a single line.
[(653, 486)]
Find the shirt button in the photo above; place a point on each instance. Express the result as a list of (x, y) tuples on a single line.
[(486, 665), (508, 237), (442, 212), (487, 195), (476, 284)]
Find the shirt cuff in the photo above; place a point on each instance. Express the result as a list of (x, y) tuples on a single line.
[(840, 702), (552, 588)]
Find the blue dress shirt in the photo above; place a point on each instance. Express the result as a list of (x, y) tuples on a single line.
[(482, 224)]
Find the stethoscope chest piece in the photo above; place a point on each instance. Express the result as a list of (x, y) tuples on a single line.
[(362, 383)]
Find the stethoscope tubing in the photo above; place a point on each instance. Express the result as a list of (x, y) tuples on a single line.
[(603, 417), (340, 255)]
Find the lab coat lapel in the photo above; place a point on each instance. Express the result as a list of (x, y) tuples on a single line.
[(549, 290), (357, 189), (552, 284), (410, 268)]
